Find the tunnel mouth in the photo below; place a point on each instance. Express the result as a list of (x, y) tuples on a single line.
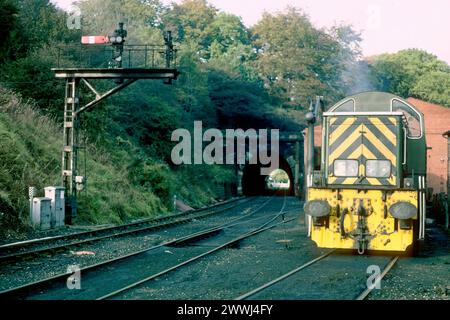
[(278, 181), (256, 184)]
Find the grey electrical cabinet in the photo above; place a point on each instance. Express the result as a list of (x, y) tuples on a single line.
[(56, 194), (41, 213)]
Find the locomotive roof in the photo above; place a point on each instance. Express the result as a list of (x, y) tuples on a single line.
[(370, 101)]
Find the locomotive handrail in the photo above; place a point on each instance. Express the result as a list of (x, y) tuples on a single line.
[(404, 145)]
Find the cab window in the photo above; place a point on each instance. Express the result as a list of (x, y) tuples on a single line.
[(346, 106), (412, 117)]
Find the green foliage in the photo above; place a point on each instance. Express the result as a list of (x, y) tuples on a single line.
[(355, 74), (33, 78), (412, 72), (139, 17), (153, 177), (150, 120), (279, 175), (191, 88), (8, 18), (225, 33), (434, 87), (238, 103), (189, 22), (28, 156), (122, 183), (42, 23), (38, 23), (231, 77), (212, 177), (295, 60)]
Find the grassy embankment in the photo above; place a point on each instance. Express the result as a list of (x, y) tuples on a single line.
[(122, 183)]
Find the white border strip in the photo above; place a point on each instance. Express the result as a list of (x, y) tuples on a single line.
[(420, 207), (361, 113)]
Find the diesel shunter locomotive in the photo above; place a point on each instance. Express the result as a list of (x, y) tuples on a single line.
[(368, 190)]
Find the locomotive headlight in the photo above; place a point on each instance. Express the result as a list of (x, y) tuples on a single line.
[(403, 210), (317, 208), (345, 168), (378, 168)]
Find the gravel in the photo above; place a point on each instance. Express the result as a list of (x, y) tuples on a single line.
[(424, 277), (259, 259), (341, 276), (254, 261), (48, 265)]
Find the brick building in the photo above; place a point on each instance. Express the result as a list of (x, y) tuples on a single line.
[(437, 122)]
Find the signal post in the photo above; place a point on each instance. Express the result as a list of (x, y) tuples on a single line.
[(122, 77)]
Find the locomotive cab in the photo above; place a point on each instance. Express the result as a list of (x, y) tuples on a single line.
[(369, 193)]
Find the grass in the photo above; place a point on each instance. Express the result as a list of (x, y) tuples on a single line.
[(122, 183)]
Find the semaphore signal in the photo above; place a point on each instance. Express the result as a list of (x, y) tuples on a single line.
[(95, 39), (117, 40), (72, 181)]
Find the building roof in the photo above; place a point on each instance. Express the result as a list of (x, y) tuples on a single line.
[(425, 106)]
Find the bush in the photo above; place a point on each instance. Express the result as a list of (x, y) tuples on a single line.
[(123, 182)]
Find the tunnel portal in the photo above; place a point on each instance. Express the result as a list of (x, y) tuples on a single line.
[(255, 184)]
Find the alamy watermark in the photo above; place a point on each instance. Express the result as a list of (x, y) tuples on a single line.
[(227, 147), (374, 280), (73, 21), (74, 280)]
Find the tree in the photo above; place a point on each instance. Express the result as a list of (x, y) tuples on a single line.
[(33, 78), (28, 25), (238, 103), (189, 22), (400, 72), (295, 60), (225, 32), (433, 87), (355, 73), (230, 47), (41, 23), (8, 21), (140, 17)]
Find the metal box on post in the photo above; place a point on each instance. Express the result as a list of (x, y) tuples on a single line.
[(41, 213), (56, 194)]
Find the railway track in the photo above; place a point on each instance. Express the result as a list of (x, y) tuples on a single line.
[(22, 249), (261, 228), (44, 284), (361, 296)]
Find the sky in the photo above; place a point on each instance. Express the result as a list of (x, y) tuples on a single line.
[(385, 25)]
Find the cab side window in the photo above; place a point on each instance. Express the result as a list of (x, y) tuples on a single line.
[(346, 106), (414, 128)]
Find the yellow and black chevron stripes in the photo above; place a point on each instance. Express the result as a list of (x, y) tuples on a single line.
[(362, 138)]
